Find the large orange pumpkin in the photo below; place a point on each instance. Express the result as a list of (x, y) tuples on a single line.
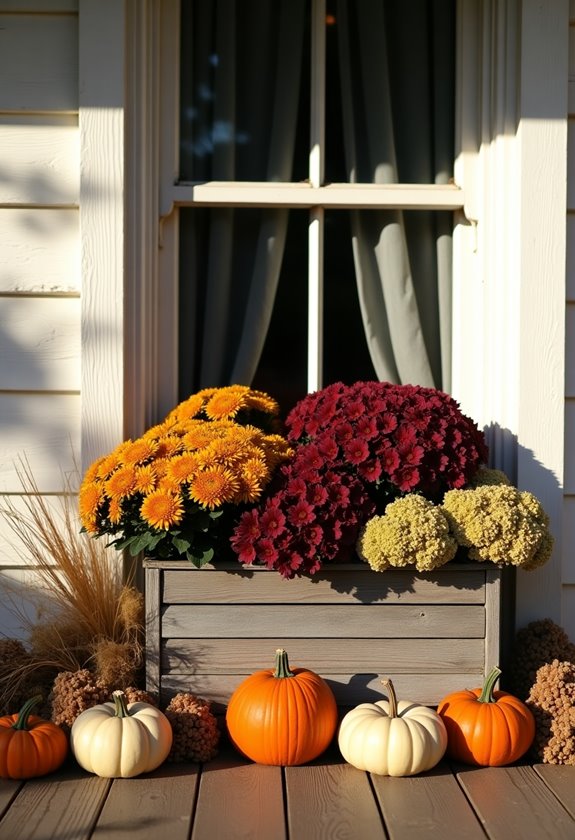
[(29, 745), (486, 727), (282, 716)]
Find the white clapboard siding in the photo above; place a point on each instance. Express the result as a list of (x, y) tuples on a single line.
[(40, 343), (571, 254), (568, 609), (38, 62), (40, 160), (22, 600), (570, 354), (44, 429), (13, 550), (570, 447), (39, 250), (569, 541)]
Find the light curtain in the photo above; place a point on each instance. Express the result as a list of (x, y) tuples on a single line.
[(397, 102)]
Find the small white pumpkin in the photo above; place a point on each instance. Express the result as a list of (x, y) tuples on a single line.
[(120, 740), (391, 738)]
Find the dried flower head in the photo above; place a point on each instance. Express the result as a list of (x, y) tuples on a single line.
[(412, 532), (501, 524)]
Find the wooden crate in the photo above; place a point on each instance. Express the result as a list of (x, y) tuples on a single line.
[(431, 633)]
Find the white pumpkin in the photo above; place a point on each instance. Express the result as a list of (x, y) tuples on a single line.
[(120, 740), (391, 738)]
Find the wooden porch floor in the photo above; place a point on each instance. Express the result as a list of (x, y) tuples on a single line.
[(233, 798)]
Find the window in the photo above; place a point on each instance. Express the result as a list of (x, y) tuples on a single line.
[(315, 193)]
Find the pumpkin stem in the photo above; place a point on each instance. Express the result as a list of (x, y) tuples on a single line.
[(24, 713), (121, 710), (391, 696), (282, 668), (486, 695)]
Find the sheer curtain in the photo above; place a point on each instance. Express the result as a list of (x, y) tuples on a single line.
[(397, 97), (241, 82)]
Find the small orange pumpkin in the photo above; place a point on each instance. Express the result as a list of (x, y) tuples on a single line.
[(29, 745), (486, 727), (282, 716)]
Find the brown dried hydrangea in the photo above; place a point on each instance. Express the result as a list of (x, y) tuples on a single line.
[(75, 691), (195, 728), (552, 701)]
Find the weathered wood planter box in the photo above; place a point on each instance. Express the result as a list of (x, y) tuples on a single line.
[(431, 633)]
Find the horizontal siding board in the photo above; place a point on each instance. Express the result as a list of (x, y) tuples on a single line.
[(12, 549), (323, 621), (427, 689), (21, 600), (570, 350), (38, 62), (568, 609), (40, 161), (242, 586), (43, 428), (39, 250), (568, 554), (571, 254), (40, 344), (213, 656), (570, 446)]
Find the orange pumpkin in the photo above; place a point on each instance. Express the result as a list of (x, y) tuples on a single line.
[(282, 716), (29, 745), (486, 727)]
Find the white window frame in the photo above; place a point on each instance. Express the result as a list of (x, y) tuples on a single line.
[(313, 194), (509, 348)]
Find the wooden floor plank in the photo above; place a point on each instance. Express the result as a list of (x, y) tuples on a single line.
[(331, 799), (561, 780), (515, 802), (8, 790), (426, 807), (65, 807), (151, 806), (239, 799)]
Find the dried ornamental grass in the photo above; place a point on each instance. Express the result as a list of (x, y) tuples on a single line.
[(87, 601)]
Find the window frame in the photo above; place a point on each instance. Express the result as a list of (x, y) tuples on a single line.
[(314, 194), (509, 330)]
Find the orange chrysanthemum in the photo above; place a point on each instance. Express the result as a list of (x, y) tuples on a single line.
[(250, 489), (121, 483), (107, 465), (161, 509), (139, 451), (225, 403), (168, 446), (200, 435), (89, 499), (182, 468), (262, 402), (214, 487), (187, 409), (115, 511), (145, 479)]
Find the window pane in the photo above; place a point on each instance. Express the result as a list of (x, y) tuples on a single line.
[(244, 90)]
